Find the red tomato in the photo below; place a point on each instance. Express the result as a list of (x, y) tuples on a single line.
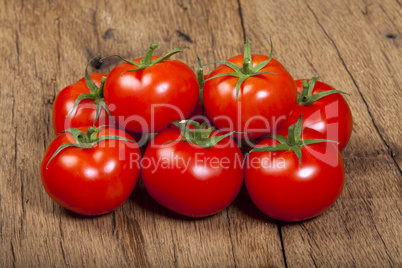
[(330, 115), (189, 179), (284, 190), (149, 99), (263, 104), (91, 181), (84, 114)]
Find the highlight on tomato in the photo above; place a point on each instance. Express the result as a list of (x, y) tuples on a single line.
[(81, 104), (193, 170), (294, 176), (249, 93), (324, 110), (92, 172), (150, 92)]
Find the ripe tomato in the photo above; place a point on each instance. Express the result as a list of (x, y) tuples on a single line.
[(148, 99), (84, 114), (94, 180), (189, 179), (284, 190), (329, 115), (264, 100)]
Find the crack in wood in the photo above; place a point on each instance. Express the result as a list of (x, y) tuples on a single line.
[(174, 246), (309, 241), (184, 36), (13, 253), (17, 46), (57, 43), (309, 235), (242, 20), (62, 240), (282, 244), (154, 222), (113, 222), (312, 258), (382, 240), (22, 204), (230, 236), (16, 160), (311, 65), (390, 151)]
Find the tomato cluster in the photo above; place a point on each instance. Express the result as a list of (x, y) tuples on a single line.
[(195, 164)]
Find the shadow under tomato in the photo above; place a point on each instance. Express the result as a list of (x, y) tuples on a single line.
[(141, 198), (244, 204), (70, 214)]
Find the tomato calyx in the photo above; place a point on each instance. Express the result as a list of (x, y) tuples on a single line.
[(147, 60), (200, 78), (247, 70), (292, 143), (199, 135), (307, 97), (85, 140), (96, 95)]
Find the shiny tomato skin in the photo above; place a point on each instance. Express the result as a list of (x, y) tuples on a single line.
[(330, 115), (91, 181), (131, 95), (202, 189), (85, 113), (283, 190), (267, 97)]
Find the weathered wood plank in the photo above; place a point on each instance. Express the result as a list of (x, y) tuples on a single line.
[(49, 44), (187, 242), (37, 233), (371, 59), (10, 188), (362, 228), (45, 46)]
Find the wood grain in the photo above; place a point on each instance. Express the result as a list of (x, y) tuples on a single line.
[(352, 45), (362, 228)]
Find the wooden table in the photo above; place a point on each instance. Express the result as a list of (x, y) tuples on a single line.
[(352, 45)]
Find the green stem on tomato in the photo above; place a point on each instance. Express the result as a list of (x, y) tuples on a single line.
[(246, 70), (292, 143), (85, 140), (96, 94), (147, 60), (200, 134), (307, 98)]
